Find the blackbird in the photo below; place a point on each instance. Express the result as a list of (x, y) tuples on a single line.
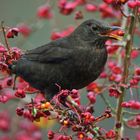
[(71, 62)]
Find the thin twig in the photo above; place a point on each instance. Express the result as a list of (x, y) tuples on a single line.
[(4, 34), (138, 49), (130, 113), (124, 14), (107, 103), (74, 104)]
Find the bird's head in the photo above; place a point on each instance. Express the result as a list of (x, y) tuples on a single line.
[(93, 30)]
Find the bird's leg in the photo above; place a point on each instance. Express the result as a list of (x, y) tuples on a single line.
[(14, 85), (48, 95)]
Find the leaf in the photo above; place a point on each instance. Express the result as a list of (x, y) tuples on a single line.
[(34, 111)]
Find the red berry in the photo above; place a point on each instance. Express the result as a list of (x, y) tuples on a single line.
[(4, 125), (122, 1), (111, 64), (78, 15), (138, 119), (92, 118), (9, 35), (120, 33), (134, 82), (19, 111), (138, 135), (12, 32), (132, 4), (75, 94), (112, 49), (92, 97), (125, 104), (80, 2), (116, 70), (92, 86), (103, 75), (106, 11), (66, 32), (24, 29), (114, 92), (3, 98), (9, 81), (137, 71), (67, 7), (134, 54), (81, 135), (134, 104), (89, 138), (2, 48), (131, 104), (55, 35), (108, 1), (51, 134), (27, 114), (44, 12), (90, 7), (112, 77), (110, 134), (20, 93), (138, 3)]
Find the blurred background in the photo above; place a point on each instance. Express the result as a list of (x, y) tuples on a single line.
[(24, 12)]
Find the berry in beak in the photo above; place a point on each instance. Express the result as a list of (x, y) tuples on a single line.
[(114, 32)]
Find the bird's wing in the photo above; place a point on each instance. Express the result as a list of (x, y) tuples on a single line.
[(50, 53)]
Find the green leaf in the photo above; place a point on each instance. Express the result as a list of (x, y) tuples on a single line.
[(34, 111)]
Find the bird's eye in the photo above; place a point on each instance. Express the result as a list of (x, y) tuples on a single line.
[(94, 28)]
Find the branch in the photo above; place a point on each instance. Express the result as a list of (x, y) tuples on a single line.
[(138, 48), (4, 34), (128, 49), (131, 113), (108, 103)]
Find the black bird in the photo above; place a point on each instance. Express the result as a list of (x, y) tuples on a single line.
[(72, 62)]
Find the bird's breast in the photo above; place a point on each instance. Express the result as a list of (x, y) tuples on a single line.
[(88, 66)]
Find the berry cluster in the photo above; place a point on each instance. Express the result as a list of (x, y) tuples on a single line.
[(119, 80)]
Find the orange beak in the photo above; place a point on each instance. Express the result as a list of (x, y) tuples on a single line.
[(113, 33)]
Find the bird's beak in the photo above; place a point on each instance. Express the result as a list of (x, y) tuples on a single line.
[(113, 33)]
